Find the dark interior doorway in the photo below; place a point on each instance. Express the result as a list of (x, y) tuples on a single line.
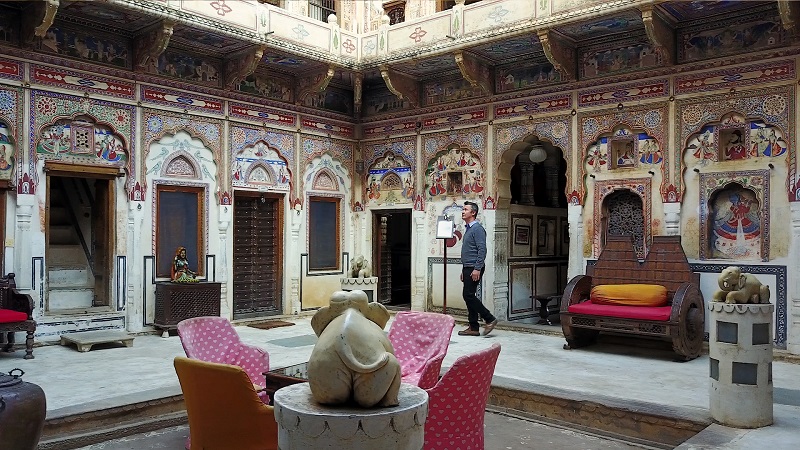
[(391, 254)]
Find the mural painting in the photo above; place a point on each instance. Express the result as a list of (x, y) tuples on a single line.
[(81, 141), (734, 138), (324, 173), (735, 228), (595, 63), (383, 101), (187, 67), (332, 99), (449, 90), (455, 172), (696, 44), (181, 156), (76, 44), (258, 166), (267, 86), (623, 149), (6, 152), (390, 181), (514, 77)]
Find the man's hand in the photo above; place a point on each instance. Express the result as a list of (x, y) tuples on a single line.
[(475, 275), (461, 276)]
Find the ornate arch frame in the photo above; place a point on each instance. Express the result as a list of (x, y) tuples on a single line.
[(184, 155), (639, 186), (11, 114)]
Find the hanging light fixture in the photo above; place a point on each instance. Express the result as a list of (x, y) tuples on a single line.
[(538, 154)]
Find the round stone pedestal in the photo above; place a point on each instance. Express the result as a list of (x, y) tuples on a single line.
[(368, 285), (304, 424), (740, 353)]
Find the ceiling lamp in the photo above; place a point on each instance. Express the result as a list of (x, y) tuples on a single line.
[(538, 154)]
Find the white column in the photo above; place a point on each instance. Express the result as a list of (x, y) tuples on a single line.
[(576, 262), (498, 247), (294, 261), (419, 257), (793, 338), (133, 307), (672, 219), (25, 204), (223, 224)]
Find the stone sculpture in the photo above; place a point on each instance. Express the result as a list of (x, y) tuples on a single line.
[(738, 287), (359, 268), (353, 360)]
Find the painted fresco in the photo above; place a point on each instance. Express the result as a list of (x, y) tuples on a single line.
[(260, 166), (382, 101), (595, 63), (333, 99), (327, 174), (390, 181), (455, 172), (622, 21), (267, 86), (187, 68), (81, 141), (735, 227), (450, 90), (6, 152), (106, 15), (180, 156), (9, 27), (734, 139), (513, 78), (76, 44), (623, 149), (696, 45)]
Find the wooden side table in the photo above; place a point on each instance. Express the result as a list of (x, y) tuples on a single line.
[(285, 376), (179, 301)]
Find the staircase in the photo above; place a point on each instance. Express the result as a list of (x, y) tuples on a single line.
[(69, 273)]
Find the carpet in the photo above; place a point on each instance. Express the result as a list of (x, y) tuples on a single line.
[(270, 324)]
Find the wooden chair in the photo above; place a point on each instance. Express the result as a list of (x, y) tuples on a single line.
[(16, 315)]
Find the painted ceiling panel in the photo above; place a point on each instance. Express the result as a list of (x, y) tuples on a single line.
[(108, 15), (686, 11), (421, 68), (606, 27), (500, 52), (202, 40)]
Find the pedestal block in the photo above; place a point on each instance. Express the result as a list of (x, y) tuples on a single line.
[(368, 285), (740, 354), (304, 424)]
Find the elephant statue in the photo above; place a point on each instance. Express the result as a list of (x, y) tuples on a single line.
[(738, 287), (353, 359), (359, 268)]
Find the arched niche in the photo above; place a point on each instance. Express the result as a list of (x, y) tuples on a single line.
[(623, 208), (181, 155), (734, 137), (623, 148), (181, 165), (390, 180), (260, 165), (325, 180), (454, 172)]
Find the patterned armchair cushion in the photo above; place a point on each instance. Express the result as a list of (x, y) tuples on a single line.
[(420, 341), (629, 294), (457, 403)]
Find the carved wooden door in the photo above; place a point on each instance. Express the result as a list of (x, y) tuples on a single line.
[(257, 258)]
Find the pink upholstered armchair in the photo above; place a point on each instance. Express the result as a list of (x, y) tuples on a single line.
[(420, 341), (457, 404), (213, 339)]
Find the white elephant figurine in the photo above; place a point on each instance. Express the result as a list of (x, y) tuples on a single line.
[(353, 359), (738, 287), (359, 268)]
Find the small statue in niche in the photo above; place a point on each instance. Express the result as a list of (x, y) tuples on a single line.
[(738, 287), (359, 268), (180, 268)]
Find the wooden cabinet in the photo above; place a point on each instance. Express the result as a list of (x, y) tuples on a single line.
[(179, 301)]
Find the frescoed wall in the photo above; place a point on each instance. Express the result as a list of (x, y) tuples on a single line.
[(95, 47), (390, 181)]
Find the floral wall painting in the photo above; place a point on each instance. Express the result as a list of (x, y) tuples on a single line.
[(390, 181), (735, 229), (259, 166), (6, 152), (180, 156), (81, 141), (455, 172)]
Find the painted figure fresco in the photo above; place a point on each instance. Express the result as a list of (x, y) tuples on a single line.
[(766, 140), (734, 138), (624, 154), (268, 87), (596, 158), (6, 153), (623, 149), (455, 172), (703, 146), (260, 165), (450, 90), (649, 151), (390, 181), (337, 100), (696, 44), (76, 44), (187, 67), (605, 62), (515, 77), (83, 140), (382, 101), (735, 225), (734, 145)]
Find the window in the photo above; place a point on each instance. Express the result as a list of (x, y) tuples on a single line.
[(179, 223), (323, 233), (448, 4), (321, 9)]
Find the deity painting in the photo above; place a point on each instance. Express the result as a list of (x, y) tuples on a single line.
[(766, 140), (734, 144), (79, 139), (596, 157), (649, 151), (187, 67), (703, 146), (623, 153), (735, 224), (108, 146), (390, 181), (437, 92), (260, 165), (732, 39), (455, 173), (267, 86), (514, 77), (617, 60), (80, 45), (6, 153)]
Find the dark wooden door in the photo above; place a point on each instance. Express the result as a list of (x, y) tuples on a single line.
[(256, 255)]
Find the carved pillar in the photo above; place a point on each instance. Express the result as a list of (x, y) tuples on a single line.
[(294, 294), (25, 203), (526, 181), (133, 308), (223, 224), (793, 337), (500, 265), (672, 219), (576, 264), (551, 169)]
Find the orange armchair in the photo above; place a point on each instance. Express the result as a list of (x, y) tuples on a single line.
[(223, 408)]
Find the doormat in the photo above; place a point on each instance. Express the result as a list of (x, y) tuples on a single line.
[(270, 324)]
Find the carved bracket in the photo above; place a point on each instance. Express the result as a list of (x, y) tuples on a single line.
[(476, 73), (358, 85), (405, 88), (790, 16), (241, 65), (37, 19), (314, 84), (151, 44), (659, 33), (48, 11), (560, 53)]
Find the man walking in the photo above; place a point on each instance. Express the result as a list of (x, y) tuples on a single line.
[(473, 255)]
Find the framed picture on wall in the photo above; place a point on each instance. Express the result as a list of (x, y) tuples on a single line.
[(546, 236), (522, 234), (564, 236)]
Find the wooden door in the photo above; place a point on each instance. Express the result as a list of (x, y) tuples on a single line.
[(102, 241), (257, 237)]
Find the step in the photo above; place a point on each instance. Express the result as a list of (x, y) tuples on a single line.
[(63, 256), (63, 235), (68, 298), (75, 278)]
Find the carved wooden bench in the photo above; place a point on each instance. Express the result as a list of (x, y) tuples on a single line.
[(16, 314), (682, 322)]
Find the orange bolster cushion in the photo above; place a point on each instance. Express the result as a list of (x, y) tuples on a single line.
[(629, 294)]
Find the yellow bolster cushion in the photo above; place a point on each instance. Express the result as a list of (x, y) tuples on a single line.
[(629, 294)]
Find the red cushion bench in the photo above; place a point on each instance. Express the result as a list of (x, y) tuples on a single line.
[(681, 321), (16, 314)]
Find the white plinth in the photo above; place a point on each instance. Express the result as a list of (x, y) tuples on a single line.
[(740, 353), (368, 285), (304, 424)]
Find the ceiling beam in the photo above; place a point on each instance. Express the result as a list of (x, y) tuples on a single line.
[(404, 87), (242, 64), (659, 33), (475, 72), (314, 84), (790, 16), (560, 53), (148, 46)]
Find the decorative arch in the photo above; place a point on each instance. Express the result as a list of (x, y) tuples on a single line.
[(181, 164), (261, 173), (389, 180), (81, 138), (641, 187), (325, 180), (260, 164), (454, 172)]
